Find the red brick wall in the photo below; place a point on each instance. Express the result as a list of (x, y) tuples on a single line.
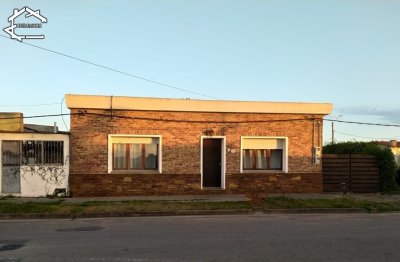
[(170, 184), (181, 151)]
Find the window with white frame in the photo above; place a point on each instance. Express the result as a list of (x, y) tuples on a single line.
[(135, 153), (264, 153)]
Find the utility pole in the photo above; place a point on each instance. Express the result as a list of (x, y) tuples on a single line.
[(333, 129)]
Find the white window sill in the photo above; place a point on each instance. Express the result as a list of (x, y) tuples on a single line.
[(262, 171), (135, 172)]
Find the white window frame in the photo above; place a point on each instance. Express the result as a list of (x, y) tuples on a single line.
[(110, 148), (285, 157), (223, 159)]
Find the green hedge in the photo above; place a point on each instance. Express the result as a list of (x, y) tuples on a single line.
[(387, 164)]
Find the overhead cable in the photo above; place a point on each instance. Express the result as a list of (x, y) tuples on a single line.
[(115, 70)]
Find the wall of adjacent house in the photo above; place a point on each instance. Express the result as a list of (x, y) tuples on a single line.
[(38, 180), (41, 181), (396, 153), (14, 125), (181, 152)]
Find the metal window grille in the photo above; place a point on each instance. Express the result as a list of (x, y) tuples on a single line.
[(53, 152), (42, 152)]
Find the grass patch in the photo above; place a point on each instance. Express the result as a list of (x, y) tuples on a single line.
[(7, 207), (30, 207), (283, 202), (13, 206)]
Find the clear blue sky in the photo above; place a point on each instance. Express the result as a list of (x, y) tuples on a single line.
[(343, 52)]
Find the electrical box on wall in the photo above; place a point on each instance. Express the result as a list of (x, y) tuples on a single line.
[(316, 155)]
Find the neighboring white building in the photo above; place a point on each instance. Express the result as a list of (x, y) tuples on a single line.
[(394, 145), (33, 164)]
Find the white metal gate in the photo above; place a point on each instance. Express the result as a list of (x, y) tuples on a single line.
[(11, 179)]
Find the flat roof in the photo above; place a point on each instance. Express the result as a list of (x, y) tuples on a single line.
[(193, 105)]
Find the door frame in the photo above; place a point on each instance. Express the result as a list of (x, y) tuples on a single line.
[(223, 159)]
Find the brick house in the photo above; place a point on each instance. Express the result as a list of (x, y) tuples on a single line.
[(123, 146)]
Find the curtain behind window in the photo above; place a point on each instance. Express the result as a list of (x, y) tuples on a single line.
[(119, 156), (151, 156)]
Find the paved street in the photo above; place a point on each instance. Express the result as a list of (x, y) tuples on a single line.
[(305, 237)]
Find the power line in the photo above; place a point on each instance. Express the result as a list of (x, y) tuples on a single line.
[(361, 123), (29, 117), (61, 112), (39, 116), (199, 121), (83, 113), (49, 104), (164, 119), (381, 138), (115, 70)]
